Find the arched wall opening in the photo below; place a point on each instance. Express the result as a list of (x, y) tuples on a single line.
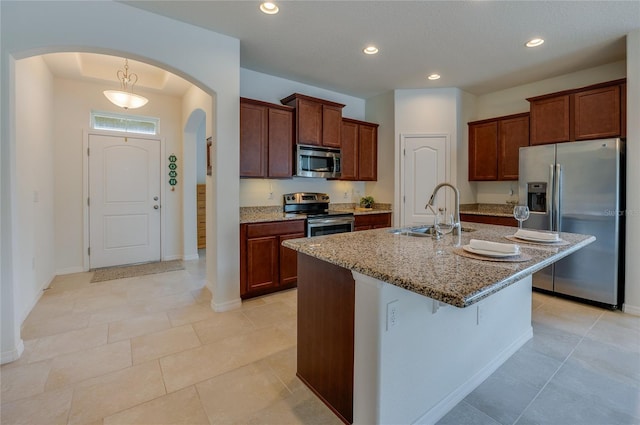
[(208, 60), (194, 164)]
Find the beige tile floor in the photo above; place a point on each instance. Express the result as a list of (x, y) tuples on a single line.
[(149, 350)]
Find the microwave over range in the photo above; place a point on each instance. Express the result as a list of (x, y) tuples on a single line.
[(314, 161)]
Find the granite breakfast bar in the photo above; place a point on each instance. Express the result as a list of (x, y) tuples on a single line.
[(389, 331)]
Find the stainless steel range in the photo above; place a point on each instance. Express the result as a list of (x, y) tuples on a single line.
[(315, 207)]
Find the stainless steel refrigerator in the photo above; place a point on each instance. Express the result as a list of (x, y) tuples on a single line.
[(578, 187)]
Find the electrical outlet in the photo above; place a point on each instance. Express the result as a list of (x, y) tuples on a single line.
[(392, 314), (346, 195), (479, 315), (270, 196)]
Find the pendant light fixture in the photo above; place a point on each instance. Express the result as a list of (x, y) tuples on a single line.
[(125, 98)]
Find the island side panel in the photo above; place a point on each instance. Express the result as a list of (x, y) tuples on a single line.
[(326, 298)]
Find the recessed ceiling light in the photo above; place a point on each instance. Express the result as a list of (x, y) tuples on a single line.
[(434, 77), (269, 8), (534, 42), (370, 50)]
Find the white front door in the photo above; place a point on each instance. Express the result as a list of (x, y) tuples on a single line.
[(424, 165), (124, 200)]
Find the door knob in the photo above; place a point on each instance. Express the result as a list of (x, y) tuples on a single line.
[(155, 207), (155, 198)]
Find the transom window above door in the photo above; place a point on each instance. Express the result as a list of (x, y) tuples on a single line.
[(124, 123)]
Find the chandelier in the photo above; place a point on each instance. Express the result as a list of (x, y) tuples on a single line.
[(125, 98)]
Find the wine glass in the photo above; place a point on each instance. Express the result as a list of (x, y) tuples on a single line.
[(443, 224), (520, 213)]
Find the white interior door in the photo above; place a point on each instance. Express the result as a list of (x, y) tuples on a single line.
[(124, 207), (424, 165)]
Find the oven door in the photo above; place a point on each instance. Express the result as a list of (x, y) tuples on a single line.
[(329, 226)]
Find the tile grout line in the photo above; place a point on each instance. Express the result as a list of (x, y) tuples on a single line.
[(558, 369)]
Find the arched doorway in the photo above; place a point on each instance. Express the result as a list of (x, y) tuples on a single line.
[(207, 59)]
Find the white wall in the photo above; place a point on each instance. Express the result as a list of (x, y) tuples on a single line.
[(73, 102), (258, 192), (205, 58), (514, 100), (380, 109), (426, 111), (34, 221), (632, 292), (466, 109)]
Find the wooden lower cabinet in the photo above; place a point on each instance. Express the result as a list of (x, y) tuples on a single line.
[(265, 265), (371, 221), (326, 311), (489, 219)]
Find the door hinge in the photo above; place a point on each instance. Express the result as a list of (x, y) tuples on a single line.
[(89, 251), (404, 152), (404, 199), (87, 151), (88, 202)]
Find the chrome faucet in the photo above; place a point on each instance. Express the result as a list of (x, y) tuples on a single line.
[(456, 217)]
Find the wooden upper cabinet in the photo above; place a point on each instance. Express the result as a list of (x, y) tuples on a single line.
[(597, 113), (513, 133), (585, 113), (483, 151), (317, 121), (494, 147), (280, 162), (253, 139), (349, 151), (368, 152), (266, 139), (550, 120), (359, 152), (331, 126)]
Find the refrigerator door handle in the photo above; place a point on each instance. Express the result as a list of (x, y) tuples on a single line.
[(551, 197), (558, 197)]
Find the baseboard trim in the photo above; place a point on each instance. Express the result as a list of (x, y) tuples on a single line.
[(445, 405), (191, 257), (70, 270), (171, 257), (226, 306), (12, 355), (631, 309), (33, 303)]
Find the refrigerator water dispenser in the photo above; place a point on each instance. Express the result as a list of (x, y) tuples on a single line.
[(537, 197)]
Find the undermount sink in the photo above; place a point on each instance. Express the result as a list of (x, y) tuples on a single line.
[(422, 231)]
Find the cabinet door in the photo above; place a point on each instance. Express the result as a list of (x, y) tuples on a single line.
[(331, 126), (367, 152), (483, 151), (262, 263), (512, 135), (349, 151), (280, 162), (253, 140), (623, 110), (550, 120), (597, 113), (288, 261), (309, 122)]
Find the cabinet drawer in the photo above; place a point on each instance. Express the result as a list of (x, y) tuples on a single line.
[(369, 221), (274, 228)]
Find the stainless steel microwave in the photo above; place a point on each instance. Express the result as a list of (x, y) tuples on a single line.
[(314, 161)]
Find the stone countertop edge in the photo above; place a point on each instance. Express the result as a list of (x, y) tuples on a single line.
[(262, 214), (411, 263)]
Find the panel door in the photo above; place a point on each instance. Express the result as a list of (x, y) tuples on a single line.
[(550, 120), (124, 193), (368, 153), (512, 135), (309, 122), (253, 140), (288, 261), (262, 263), (331, 126), (280, 150), (483, 151), (349, 151), (597, 113), (424, 166)]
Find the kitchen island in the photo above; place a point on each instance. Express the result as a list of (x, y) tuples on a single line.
[(389, 331)]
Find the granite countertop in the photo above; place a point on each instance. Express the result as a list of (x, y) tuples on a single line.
[(411, 262), (495, 210), (275, 213)]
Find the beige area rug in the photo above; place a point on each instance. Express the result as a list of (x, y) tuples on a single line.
[(121, 272)]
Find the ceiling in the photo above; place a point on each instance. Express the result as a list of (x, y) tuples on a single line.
[(477, 45)]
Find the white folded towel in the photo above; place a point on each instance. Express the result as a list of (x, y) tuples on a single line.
[(532, 234), (506, 248)]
